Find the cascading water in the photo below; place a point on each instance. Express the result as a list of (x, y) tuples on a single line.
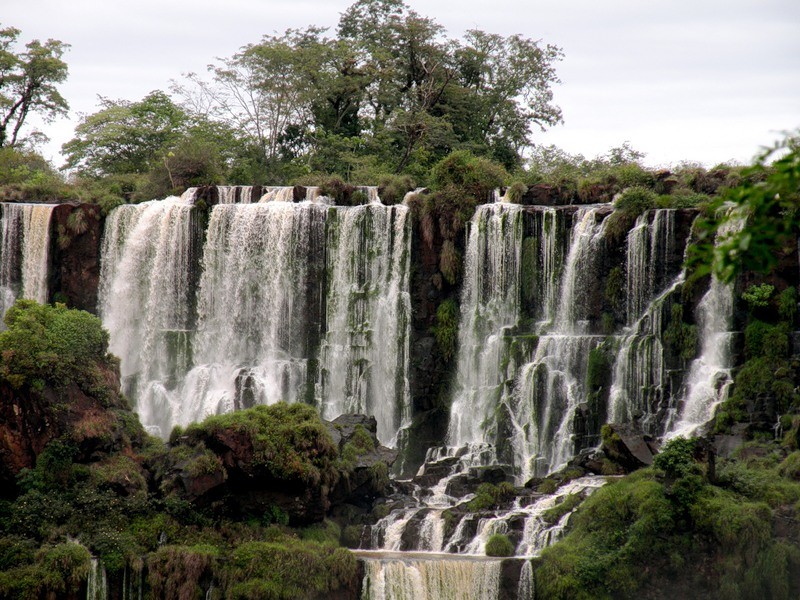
[(253, 302), (145, 295), (640, 382), (24, 252), (364, 354), (710, 373), (651, 243), (489, 309), (233, 194), (97, 585), (549, 389), (414, 578)]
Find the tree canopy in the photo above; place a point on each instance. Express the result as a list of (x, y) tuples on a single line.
[(28, 83), (388, 92)]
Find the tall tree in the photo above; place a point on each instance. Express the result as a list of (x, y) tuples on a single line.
[(125, 137), (28, 81)]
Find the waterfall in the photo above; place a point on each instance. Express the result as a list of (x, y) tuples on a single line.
[(526, 588), (709, 376), (278, 194), (233, 194), (640, 382), (414, 578), (145, 295), (710, 373), (543, 405), (364, 354), (253, 305), (651, 243), (96, 584), (489, 309), (549, 389), (24, 252)]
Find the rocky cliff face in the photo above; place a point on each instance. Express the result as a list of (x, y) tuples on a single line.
[(31, 418), (75, 249)]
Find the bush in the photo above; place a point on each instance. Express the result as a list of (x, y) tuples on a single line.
[(676, 459), (52, 344), (499, 545), (635, 200), (472, 176), (288, 569), (757, 296)]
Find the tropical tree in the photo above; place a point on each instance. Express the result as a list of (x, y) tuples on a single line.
[(123, 136), (28, 83), (749, 225)]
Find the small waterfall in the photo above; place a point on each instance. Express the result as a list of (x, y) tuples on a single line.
[(414, 578), (538, 533), (132, 584), (489, 309), (278, 194), (97, 584), (145, 297), (544, 401), (651, 243), (364, 355), (710, 373), (24, 252), (640, 380), (526, 588), (233, 194)]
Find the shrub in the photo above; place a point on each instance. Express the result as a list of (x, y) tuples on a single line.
[(52, 344), (473, 176), (635, 200), (499, 545), (289, 568), (676, 459), (757, 296)]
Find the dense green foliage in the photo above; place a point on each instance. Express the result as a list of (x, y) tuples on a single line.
[(102, 486), (767, 200), (766, 381), (644, 531), (54, 345), (288, 441)]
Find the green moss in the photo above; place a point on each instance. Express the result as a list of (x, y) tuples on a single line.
[(614, 290), (289, 440), (567, 505), (446, 329), (787, 304), (680, 336), (489, 496), (499, 545)]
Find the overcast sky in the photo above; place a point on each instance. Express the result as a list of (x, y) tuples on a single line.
[(698, 80)]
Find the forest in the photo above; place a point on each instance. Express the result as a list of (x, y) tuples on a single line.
[(326, 321)]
